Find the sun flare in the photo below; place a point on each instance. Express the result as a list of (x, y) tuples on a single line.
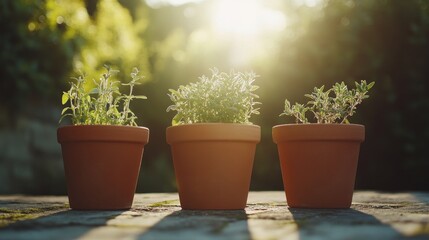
[(245, 18)]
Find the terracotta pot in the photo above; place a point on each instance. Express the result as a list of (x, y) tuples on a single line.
[(213, 163), (102, 164), (318, 163)]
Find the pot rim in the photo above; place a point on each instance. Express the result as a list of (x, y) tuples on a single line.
[(213, 132), (318, 132), (102, 133)]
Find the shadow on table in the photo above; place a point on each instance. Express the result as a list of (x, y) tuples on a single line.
[(340, 224), (187, 224), (67, 224)]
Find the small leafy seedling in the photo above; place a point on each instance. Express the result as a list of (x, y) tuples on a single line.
[(103, 105), (334, 105), (223, 98)]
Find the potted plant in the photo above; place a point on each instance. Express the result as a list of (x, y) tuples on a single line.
[(103, 149), (319, 161), (212, 140)]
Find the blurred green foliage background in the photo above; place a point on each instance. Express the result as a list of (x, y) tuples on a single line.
[(292, 45)]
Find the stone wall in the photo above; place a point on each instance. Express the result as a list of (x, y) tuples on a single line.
[(30, 157)]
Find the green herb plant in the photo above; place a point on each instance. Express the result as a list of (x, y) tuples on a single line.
[(334, 105), (103, 105), (223, 97)]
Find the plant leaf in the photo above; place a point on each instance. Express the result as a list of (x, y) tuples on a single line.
[(140, 97), (64, 110), (64, 98)]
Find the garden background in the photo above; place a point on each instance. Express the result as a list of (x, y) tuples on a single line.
[(293, 45)]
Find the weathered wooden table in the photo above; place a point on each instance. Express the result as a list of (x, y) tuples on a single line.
[(158, 216)]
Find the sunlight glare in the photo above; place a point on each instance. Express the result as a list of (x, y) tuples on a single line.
[(308, 3), (246, 18), (312, 3)]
